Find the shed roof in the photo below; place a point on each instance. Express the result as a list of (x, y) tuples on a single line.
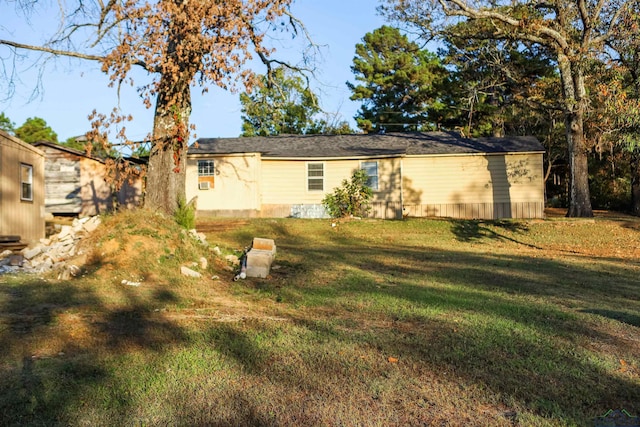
[(8, 137), (365, 145), (66, 149)]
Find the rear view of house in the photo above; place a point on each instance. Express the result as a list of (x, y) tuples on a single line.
[(434, 174), (21, 189)]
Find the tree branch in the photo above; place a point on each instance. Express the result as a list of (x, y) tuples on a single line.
[(470, 12), (51, 50), (70, 54)]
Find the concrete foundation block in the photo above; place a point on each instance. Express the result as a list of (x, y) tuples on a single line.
[(264, 244), (259, 262)]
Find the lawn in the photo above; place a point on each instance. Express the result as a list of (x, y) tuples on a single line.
[(362, 322)]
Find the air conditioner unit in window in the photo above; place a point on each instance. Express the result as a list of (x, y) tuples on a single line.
[(204, 185)]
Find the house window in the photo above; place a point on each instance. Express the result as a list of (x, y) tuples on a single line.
[(315, 176), (26, 182), (206, 173), (371, 168), (205, 168)]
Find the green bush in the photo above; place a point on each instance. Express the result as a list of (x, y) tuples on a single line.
[(185, 214), (353, 198)]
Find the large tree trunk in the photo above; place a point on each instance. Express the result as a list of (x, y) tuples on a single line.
[(579, 195), (574, 100), (166, 175), (635, 181)]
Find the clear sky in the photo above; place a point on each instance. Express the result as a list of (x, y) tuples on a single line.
[(72, 89)]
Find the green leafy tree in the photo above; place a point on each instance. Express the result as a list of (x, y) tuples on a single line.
[(574, 32), (398, 83), (504, 87), (496, 82), (282, 104), (6, 124), (35, 129), (626, 45), (352, 198)]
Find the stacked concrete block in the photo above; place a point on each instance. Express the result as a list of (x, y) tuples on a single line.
[(260, 257)]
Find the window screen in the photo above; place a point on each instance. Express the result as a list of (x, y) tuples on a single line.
[(371, 168), (315, 176), (26, 182)]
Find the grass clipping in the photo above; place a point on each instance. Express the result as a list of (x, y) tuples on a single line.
[(141, 246)]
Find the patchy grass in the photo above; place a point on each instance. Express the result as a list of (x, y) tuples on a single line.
[(415, 322)]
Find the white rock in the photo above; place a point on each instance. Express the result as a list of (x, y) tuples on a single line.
[(92, 224), (29, 253), (203, 263), (5, 254), (65, 231), (186, 271)]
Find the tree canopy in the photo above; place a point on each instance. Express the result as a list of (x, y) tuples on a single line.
[(575, 32), (281, 103), (35, 129), (399, 83), (180, 45), (6, 124)]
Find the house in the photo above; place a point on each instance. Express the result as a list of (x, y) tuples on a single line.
[(76, 184), (21, 190), (435, 174)]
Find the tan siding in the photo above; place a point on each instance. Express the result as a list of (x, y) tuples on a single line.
[(17, 217), (285, 181), (235, 183), (95, 193), (472, 186), (492, 186)]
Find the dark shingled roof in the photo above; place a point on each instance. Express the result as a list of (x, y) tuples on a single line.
[(365, 145)]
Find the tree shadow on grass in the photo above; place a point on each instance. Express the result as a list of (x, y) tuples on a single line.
[(620, 315), (58, 342), (475, 230), (550, 377)]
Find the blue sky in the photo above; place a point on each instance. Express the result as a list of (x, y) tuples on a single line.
[(72, 89)]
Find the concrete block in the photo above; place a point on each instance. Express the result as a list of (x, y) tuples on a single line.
[(259, 262), (264, 244)]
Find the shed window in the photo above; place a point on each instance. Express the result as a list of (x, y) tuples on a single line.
[(371, 168), (205, 168), (315, 176), (26, 182)]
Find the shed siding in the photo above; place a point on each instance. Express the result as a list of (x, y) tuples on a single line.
[(18, 217), (76, 184), (235, 184), (481, 186), (62, 184), (95, 194)]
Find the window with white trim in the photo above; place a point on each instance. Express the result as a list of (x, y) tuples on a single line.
[(315, 176), (26, 182), (206, 168), (371, 168), (206, 174)]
